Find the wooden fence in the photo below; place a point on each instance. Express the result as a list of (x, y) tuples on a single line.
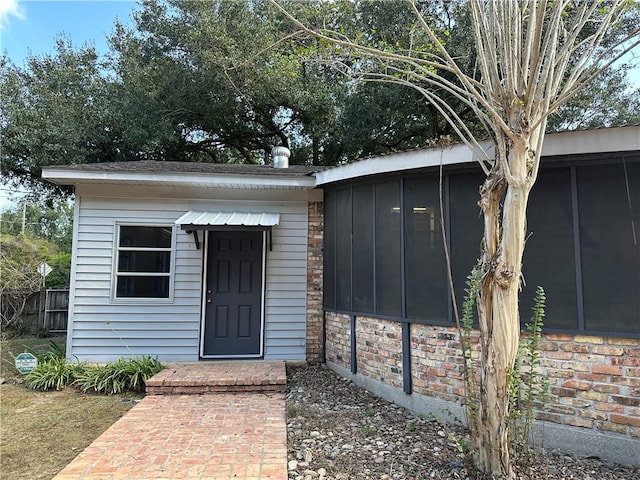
[(56, 310)]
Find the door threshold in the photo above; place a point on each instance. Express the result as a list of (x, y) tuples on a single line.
[(232, 357)]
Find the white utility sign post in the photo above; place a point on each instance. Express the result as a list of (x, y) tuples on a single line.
[(44, 269)]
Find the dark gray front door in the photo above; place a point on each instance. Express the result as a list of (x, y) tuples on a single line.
[(233, 314)]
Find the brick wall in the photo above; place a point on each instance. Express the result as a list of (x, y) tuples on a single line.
[(594, 381), (338, 347), (436, 362), (314, 282), (379, 350)]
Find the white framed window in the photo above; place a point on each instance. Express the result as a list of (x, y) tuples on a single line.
[(143, 262)]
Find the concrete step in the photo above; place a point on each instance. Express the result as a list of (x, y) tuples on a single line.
[(219, 377)]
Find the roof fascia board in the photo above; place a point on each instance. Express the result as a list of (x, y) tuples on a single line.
[(619, 139), (603, 140), (397, 162), (64, 176)]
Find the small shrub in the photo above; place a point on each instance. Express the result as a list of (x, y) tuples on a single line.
[(463, 445), (121, 376), (528, 387), (53, 370)]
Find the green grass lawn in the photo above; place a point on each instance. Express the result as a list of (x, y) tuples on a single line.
[(43, 431)]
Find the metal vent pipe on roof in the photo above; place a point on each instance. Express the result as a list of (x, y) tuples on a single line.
[(280, 156)]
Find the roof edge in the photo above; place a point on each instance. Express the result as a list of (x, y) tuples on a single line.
[(64, 176), (603, 140)]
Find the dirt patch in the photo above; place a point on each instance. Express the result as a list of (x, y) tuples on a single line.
[(337, 430), (43, 431)]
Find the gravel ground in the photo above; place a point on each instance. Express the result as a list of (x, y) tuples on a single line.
[(338, 431)]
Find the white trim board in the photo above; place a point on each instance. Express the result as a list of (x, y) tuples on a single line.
[(621, 139)]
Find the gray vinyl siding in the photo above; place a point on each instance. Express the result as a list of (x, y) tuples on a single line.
[(103, 329)]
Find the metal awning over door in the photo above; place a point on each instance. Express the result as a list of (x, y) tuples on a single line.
[(195, 220)]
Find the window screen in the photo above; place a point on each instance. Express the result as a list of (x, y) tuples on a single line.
[(609, 211), (343, 249), (425, 268), (387, 250), (465, 227), (329, 250), (363, 248), (143, 264), (548, 258)]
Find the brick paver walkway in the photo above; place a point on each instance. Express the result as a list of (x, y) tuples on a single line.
[(212, 436)]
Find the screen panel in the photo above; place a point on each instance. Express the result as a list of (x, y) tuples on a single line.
[(609, 212), (549, 259), (465, 228), (387, 250), (363, 298), (343, 249), (425, 267)]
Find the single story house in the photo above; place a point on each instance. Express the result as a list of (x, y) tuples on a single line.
[(346, 265), (189, 261)]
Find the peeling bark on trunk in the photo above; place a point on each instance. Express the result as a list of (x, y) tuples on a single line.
[(503, 245)]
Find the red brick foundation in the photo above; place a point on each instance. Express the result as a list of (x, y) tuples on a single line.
[(314, 282), (379, 350), (338, 348), (594, 381)]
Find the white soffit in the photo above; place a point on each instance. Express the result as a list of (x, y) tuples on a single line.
[(237, 219)]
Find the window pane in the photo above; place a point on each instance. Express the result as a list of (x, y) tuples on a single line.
[(148, 262), (425, 268), (329, 250), (147, 237), (465, 227), (549, 255), (609, 210), (142, 287), (363, 248), (343, 249), (387, 234), (138, 253)]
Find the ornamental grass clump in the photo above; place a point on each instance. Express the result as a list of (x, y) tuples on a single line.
[(125, 375), (53, 371)]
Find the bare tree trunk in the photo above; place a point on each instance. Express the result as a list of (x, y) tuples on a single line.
[(503, 246)]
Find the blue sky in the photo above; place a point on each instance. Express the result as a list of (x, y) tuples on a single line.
[(32, 26)]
